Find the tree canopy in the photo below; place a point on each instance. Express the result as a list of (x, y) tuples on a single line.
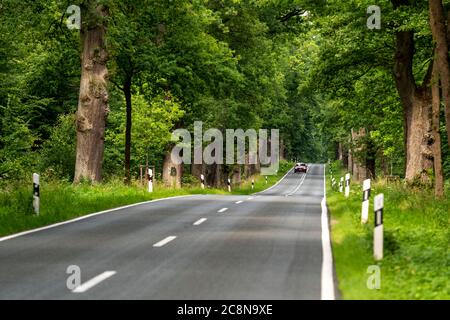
[(312, 69)]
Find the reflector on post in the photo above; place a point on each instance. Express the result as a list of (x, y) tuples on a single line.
[(378, 231), (36, 193), (365, 201)]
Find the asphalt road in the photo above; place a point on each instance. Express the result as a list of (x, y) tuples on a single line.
[(265, 246)]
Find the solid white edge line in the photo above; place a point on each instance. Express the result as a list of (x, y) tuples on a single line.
[(275, 183), (12, 236), (327, 281), (93, 282), (199, 221), (164, 241), (222, 210)]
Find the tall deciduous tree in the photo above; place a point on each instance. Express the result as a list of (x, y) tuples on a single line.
[(416, 101), (438, 24)]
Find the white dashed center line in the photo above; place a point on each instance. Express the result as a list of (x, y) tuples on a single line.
[(238, 202), (93, 282), (164, 241), (200, 221), (251, 198), (222, 210)]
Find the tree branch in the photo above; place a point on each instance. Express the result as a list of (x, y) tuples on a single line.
[(293, 13)]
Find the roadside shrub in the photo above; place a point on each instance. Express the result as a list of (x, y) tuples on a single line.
[(285, 165), (58, 152), (16, 143)]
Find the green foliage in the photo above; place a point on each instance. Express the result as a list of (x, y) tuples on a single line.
[(415, 263), (58, 152), (153, 123), (16, 142), (311, 69)]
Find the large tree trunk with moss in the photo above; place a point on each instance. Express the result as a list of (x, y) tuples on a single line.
[(418, 151), (439, 31), (93, 99), (416, 103)]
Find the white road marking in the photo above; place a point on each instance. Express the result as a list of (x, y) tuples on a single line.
[(298, 187), (93, 282), (238, 202), (327, 282), (200, 221), (12, 236), (164, 241), (222, 210), (279, 181), (251, 198)]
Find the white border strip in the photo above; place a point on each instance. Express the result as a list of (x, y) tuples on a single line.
[(327, 281), (87, 217)]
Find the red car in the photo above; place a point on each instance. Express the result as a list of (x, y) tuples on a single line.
[(300, 167)]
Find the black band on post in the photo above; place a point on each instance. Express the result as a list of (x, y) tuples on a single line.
[(379, 217)]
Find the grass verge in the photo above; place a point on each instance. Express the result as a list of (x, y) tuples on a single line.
[(64, 201), (416, 262)]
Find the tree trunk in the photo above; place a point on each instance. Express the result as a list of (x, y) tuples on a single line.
[(215, 175), (359, 169), (416, 102), (435, 124), (197, 170), (384, 164), (93, 98), (350, 157), (418, 152), (371, 156), (282, 150), (127, 93), (439, 31), (172, 173), (236, 177), (340, 152)]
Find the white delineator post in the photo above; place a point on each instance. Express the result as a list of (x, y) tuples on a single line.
[(347, 185), (253, 184), (365, 201), (378, 231), (150, 180), (36, 195), (229, 185), (341, 184), (266, 179), (202, 181)]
